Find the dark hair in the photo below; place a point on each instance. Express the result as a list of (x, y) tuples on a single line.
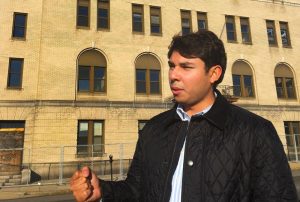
[(204, 45)]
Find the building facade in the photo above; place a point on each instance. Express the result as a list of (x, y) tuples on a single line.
[(92, 72)]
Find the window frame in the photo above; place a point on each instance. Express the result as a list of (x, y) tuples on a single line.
[(186, 14), (230, 19), (148, 81), (88, 17), (103, 5), (246, 21), (242, 87), (155, 10), (270, 24), (134, 9), (9, 73), (92, 79), (202, 16), (90, 139), (284, 88), (281, 24), (14, 26)]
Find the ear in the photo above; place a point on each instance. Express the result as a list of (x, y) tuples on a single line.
[(215, 73)]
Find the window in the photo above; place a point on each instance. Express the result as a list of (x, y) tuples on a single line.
[(285, 34), (230, 28), (15, 71), (137, 18), (147, 75), (242, 80), (92, 72), (90, 138), (19, 25), (155, 20), (292, 134), (103, 14), (245, 30), (141, 124), (83, 13), (284, 81), (271, 33), (202, 21), (186, 22)]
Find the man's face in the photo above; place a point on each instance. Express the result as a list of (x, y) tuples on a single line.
[(190, 84)]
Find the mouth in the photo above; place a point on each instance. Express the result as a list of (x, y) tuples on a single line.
[(176, 90)]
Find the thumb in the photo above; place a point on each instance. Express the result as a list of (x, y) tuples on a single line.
[(86, 171)]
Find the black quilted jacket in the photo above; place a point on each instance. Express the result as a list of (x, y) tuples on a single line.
[(231, 155)]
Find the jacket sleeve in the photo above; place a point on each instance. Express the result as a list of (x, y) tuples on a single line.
[(127, 190), (271, 178)]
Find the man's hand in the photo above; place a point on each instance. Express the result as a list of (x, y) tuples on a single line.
[(85, 186)]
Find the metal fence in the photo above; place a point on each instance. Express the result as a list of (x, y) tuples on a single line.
[(55, 165)]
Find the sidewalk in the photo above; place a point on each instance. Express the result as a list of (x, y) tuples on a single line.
[(53, 188)]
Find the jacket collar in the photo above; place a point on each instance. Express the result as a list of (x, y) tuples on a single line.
[(217, 115)]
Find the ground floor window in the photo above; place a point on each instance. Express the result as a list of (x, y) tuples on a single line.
[(292, 134), (90, 138)]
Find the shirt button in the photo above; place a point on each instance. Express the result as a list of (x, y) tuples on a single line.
[(190, 163)]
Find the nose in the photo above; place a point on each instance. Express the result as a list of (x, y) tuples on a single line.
[(174, 74)]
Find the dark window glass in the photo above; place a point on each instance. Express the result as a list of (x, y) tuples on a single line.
[(90, 138), (202, 21), (236, 84), (12, 124), (155, 21), (19, 27), (83, 13), (15, 73), (84, 78), (137, 18), (154, 81), (141, 124), (242, 85), (99, 79), (248, 86), (140, 81), (271, 32), (285, 87), (103, 14), (230, 28), (245, 30), (285, 36), (186, 27)]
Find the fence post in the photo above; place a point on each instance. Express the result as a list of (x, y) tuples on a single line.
[(61, 169), (121, 160), (111, 170)]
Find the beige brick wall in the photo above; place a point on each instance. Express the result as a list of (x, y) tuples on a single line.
[(53, 44)]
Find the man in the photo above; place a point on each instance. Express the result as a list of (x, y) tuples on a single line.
[(204, 149)]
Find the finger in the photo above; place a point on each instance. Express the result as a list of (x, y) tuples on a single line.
[(85, 171), (80, 183), (82, 196)]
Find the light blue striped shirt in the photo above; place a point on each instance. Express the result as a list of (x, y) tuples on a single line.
[(177, 176)]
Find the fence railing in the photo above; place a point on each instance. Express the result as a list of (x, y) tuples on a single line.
[(55, 165)]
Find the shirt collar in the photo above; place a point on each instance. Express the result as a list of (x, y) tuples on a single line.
[(185, 117)]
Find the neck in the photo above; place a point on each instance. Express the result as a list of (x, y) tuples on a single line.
[(200, 106)]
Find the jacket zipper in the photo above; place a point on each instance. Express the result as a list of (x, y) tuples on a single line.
[(170, 166)]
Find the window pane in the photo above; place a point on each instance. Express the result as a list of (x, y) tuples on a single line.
[(83, 16), (84, 72), (20, 20), (284, 37), (154, 75), (84, 85), (279, 87), (290, 87), (82, 138), (19, 25), (201, 24), (19, 32), (137, 22), (141, 75), (102, 18), (248, 86), (15, 66), (97, 129), (236, 79), (14, 80), (99, 73)]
